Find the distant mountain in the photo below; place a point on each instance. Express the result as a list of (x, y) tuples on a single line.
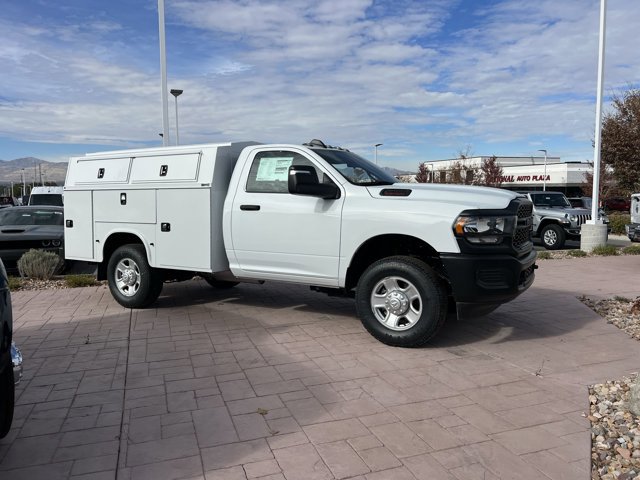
[(11, 170)]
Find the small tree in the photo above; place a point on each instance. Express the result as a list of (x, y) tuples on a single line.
[(491, 173), (621, 141), (423, 173)]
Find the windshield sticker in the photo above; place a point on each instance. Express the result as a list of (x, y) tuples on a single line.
[(274, 169)]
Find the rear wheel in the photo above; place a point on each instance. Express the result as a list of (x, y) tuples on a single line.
[(401, 301), (133, 283), (553, 237), (7, 398)]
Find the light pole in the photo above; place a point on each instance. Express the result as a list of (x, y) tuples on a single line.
[(376, 151), (24, 184), (163, 75), (176, 93), (544, 180)]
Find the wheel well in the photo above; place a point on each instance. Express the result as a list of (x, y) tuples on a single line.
[(547, 221), (386, 246), (113, 242)]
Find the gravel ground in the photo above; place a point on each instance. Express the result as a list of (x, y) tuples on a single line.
[(615, 431)]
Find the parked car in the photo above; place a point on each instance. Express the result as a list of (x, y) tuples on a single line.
[(555, 219), (7, 202), (24, 228), (580, 202), (47, 196), (633, 229), (619, 204), (10, 357)]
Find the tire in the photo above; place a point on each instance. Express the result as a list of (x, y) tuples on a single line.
[(219, 284), (7, 398), (133, 283), (552, 237), (411, 288)]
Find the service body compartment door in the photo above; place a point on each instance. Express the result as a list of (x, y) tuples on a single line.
[(183, 231), (78, 230), (125, 205)]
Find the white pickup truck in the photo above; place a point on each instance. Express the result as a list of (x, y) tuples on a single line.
[(309, 214)]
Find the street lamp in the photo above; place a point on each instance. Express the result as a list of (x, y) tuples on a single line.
[(544, 180), (376, 150), (176, 93)]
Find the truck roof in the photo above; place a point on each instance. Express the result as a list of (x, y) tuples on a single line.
[(172, 149)]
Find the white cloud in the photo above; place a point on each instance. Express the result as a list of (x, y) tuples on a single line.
[(355, 72)]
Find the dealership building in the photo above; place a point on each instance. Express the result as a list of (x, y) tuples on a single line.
[(521, 173)]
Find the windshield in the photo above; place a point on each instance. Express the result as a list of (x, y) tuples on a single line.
[(54, 199), (550, 200), (28, 216), (355, 169)]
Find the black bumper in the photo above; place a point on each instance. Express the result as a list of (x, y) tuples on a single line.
[(481, 283)]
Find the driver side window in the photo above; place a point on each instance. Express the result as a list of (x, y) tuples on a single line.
[(269, 171)]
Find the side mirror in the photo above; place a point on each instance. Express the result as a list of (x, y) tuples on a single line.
[(303, 180)]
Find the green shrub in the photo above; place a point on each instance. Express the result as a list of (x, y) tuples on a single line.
[(15, 283), (39, 264), (577, 253), (631, 250), (605, 250), (617, 221), (544, 255), (85, 280)]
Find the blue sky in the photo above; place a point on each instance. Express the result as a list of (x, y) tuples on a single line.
[(427, 79)]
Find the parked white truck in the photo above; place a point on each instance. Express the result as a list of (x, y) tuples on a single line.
[(308, 214)]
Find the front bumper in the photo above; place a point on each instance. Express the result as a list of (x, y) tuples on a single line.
[(481, 283), (16, 360)]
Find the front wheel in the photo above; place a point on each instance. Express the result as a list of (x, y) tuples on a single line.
[(7, 398), (401, 301), (553, 237), (133, 283)]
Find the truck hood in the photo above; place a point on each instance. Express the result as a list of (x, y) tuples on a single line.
[(560, 211), (464, 196), (31, 232)]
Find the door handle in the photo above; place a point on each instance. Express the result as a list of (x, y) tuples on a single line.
[(250, 207)]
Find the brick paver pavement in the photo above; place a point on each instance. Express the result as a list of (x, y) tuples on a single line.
[(276, 382)]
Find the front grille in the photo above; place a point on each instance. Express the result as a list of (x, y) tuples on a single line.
[(524, 227), (583, 219)]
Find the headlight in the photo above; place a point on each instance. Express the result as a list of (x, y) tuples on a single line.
[(46, 243), (573, 218), (484, 229), (56, 243)]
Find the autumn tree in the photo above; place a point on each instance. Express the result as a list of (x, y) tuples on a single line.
[(423, 173), (491, 173), (621, 141)]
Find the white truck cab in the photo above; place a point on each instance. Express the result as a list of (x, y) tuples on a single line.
[(308, 214), (47, 196)]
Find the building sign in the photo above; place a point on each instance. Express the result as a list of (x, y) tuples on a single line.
[(524, 178)]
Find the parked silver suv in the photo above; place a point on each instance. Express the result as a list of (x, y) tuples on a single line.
[(555, 220)]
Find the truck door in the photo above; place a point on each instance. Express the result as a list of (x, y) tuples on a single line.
[(280, 236)]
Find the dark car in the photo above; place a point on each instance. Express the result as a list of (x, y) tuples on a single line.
[(619, 204), (24, 228), (7, 202), (580, 202), (10, 357)]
